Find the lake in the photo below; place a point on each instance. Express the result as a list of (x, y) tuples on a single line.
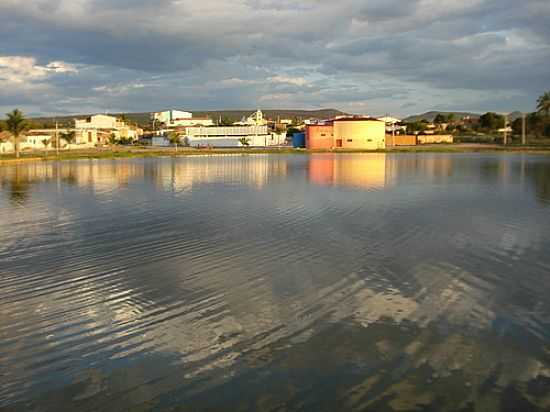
[(352, 282)]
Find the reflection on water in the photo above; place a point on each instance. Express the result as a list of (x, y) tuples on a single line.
[(327, 282)]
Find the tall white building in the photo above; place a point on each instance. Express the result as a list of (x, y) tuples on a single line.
[(176, 118)]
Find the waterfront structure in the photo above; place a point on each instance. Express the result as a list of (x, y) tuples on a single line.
[(348, 133), (36, 139), (320, 136), (360, 133), (6, 143), (100, 128), (172, 119), (226, 136), (299, 140)]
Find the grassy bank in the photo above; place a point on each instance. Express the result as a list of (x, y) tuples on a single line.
[(131, 152)]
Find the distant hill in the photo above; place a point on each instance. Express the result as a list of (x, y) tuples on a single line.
[(430, 116), (143, 119)]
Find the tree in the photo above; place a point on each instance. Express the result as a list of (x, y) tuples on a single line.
[(543, 103), (16, 125), (46, 143), (225, 121), (416, 127), (451, 118), (69, 136), (112, 140), (491, 121), (440, 118), (244, 141), (174, 139)]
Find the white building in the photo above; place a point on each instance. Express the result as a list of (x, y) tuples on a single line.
[(255, 119), (98, 129), (231, 136), (393, 124), (174, 118)]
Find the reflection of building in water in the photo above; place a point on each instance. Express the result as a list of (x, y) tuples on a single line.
[(366, 171), (101, 176), (252, 170)]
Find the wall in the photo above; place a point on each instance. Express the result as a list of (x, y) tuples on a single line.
[(435, 138), (360, 134), (400, 140), (98, 121), (320, 137)]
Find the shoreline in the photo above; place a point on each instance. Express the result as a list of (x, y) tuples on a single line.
[(143, 152)]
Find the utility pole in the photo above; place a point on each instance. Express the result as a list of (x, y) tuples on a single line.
[(56, 139), (523, 130), (505, 129)]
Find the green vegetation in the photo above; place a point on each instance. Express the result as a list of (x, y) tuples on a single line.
[(69, 136), (244, 142), (491, 121), (16, 125), (174, 139), (543, 104)]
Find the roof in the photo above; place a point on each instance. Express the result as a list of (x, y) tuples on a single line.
[(5, 136), (357, 119)]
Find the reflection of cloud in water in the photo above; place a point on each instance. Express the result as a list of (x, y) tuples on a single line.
[(404, 296)]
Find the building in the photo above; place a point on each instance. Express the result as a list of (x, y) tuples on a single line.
[(172, 119), (360, 133), (320, 136), (36, 139), (393, 125), (100, 128), (255, 119), (348, 133), (226, 136), (6, 143)]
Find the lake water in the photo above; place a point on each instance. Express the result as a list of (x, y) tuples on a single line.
[(276, 283)]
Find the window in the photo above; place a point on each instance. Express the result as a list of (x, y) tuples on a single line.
[(323, 135), (369, 140), (89, 137), (349, 140)]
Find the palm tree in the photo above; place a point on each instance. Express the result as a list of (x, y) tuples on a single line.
[(543, 103), (16, 126)]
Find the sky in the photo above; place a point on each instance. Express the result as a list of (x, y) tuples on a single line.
[(371, 57)]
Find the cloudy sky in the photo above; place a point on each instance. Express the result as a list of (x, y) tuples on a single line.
[(362, 56)]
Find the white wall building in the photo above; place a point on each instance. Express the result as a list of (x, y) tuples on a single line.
[(231, 136), (98, 129), (176, 118)]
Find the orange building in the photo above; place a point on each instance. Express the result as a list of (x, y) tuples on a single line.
[(360, 133), (348, 133), (320, 136)]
